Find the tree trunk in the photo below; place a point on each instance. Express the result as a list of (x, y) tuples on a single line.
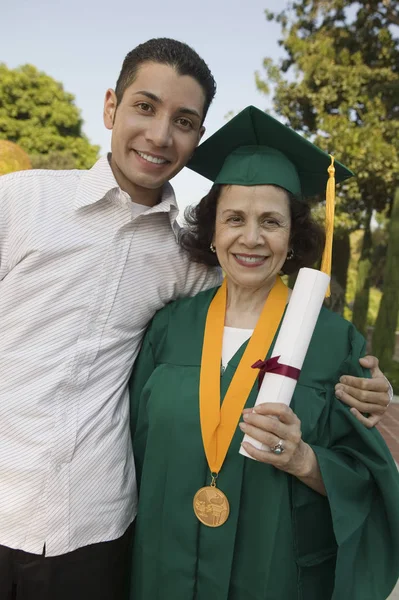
[(361, 304), (341, 257), (385, 326), (340, 265)]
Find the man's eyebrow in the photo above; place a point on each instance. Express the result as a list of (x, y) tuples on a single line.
[(189, 111), (149, 95), (182, 109)]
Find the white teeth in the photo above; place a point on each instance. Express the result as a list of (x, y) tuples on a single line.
[(152, 159), (250, 259)]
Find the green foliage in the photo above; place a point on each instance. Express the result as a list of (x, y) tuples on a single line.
[(37, 114), (54, 160), (356, 241), (339, 86), (342, 91), (384, 333), (12, 158)]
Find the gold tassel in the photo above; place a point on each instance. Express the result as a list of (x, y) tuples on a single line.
[(329, 223)]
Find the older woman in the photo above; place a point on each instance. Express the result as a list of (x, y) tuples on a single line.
[(317, 516)]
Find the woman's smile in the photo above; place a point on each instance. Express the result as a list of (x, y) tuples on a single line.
[(250, 260)]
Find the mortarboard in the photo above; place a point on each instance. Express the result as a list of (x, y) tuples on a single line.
[(256, 149)]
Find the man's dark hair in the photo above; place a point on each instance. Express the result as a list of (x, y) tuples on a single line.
[(306, 240), (167, 52)]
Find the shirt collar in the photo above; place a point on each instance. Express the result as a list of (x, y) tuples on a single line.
[(168, 205), (95, 184)]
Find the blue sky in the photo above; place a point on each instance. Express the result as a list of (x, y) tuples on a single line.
[(83, 43)]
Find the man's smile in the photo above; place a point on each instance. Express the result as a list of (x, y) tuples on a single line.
[(152, 158)]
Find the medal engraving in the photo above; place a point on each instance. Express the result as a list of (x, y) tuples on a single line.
[(211, 506)]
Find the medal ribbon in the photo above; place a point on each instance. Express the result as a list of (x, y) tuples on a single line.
[(219, 422)]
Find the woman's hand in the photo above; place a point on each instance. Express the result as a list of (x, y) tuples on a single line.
[(298, 458)]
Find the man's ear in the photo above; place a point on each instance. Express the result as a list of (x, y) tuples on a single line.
[(110, 104)]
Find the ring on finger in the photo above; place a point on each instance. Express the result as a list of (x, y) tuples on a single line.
[(278, 448)]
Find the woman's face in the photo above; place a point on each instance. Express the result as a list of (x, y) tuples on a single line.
[(252, 233)]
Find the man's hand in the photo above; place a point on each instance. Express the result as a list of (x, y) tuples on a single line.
[(369, 396)]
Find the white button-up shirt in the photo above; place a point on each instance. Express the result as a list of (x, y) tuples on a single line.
[(82, 271)]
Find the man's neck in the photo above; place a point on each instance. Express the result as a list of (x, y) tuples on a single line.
[(139, 195)]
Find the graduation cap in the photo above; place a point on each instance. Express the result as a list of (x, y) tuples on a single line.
[(256, 149)]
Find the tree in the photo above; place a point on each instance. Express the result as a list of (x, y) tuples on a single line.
[(54, 160), (37, 114), (339, 86), (12, 158), (363, 284), (385, 327)]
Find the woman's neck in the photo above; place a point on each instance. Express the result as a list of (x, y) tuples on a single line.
[(244, 305)]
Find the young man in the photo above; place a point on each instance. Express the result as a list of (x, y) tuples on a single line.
[(87, 258)]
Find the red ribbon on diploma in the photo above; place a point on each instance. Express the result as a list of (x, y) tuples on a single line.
[(271, 365)]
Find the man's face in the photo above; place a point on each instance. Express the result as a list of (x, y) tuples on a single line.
[(155, 128)]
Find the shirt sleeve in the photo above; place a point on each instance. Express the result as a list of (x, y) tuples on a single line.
[(200, 278), (4, 229), (16, 193), (390, 390)]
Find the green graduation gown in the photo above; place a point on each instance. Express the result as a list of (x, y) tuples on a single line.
[(282, 540)]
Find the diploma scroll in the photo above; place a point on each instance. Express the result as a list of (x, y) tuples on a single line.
[(293, 339)]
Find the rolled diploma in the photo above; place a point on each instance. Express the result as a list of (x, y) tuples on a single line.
[(293, 340)]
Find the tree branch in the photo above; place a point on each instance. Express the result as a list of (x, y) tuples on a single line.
[(390, 15)]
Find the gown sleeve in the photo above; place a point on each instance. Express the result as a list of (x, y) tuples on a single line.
[(362, 485)]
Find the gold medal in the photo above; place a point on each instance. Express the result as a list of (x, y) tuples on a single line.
[(211, 506)]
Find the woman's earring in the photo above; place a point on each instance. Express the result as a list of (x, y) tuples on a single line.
[(290, 254), (212, 248)]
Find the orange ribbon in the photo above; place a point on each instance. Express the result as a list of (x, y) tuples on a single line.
[(219, 422)]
